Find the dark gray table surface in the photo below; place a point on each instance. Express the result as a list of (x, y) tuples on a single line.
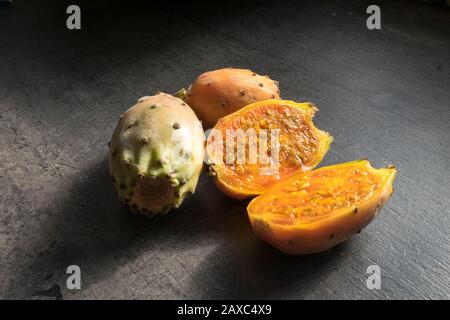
[(383, 94)]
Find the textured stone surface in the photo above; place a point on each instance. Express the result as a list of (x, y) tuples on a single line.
[(382, 94)]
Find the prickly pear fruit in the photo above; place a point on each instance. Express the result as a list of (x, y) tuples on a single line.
[(156, 154), (218, 93), (282, 129), (313, 211)]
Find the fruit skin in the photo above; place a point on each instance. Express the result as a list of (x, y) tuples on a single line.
[(218, 170), (318, 236), (156, 154), (217, 93)]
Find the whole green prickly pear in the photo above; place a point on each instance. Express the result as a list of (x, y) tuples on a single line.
[(156, 154)]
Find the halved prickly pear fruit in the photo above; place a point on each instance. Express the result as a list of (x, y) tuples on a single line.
[(156, 154), (313, 211), (218, 93), (254, 148)]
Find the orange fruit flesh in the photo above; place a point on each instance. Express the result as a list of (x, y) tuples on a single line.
[(301, 145), (317, 194)]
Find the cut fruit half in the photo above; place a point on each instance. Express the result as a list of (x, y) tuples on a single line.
[(313, 211), (277, 138)]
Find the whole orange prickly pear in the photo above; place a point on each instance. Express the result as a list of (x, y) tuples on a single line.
[(215, 94)]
